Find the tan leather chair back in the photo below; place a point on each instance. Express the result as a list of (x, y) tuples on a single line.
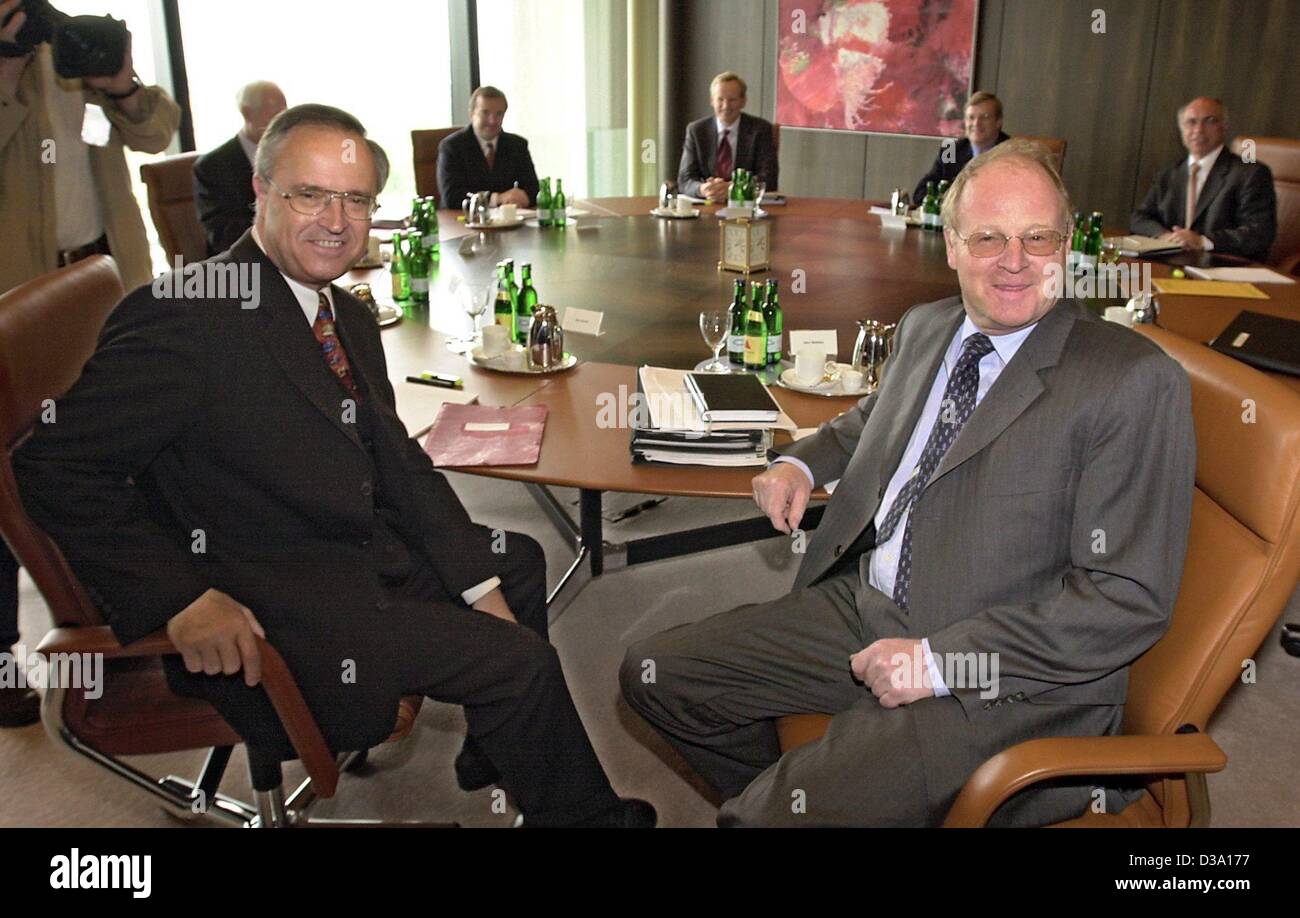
[(1243, 557), (1054, 145), (48, 329), (424, 149), (1282, 156), (171, 203)]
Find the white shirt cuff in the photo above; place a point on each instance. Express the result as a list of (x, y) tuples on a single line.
[(1207, 243), (936, 677), (800, 464), (475, 593)]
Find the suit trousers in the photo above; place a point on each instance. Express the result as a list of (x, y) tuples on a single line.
[(508, 678), (714, 688), (8, 598)]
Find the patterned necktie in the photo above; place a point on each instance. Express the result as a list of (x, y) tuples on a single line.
[(331, 347), (1191, 195), (956, 407), (724, 156), (491, 155)]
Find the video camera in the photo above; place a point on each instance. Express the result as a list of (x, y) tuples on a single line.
[(83, 46)]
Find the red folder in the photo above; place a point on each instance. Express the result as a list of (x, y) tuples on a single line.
[(451, 443)]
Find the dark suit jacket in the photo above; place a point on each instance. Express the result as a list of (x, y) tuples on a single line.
[(941, 170), (463, 170), (1052, 533), (223, 194), (203, 423), (755, 151), (1237, 207)]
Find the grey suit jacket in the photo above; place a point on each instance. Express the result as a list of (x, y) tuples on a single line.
[(755, 151), (1237, 207), (1052, 533)]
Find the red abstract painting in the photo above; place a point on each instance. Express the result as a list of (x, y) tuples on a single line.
[(884, 66)]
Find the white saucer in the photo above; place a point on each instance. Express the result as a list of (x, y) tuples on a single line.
[(497, 224), (497, 362), (831, 388), (674, 215)]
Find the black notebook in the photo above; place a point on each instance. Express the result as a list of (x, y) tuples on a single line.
[(731, 397), (1267, 342)]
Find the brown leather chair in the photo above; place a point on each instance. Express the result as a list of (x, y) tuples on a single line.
[(424, 148), (170, 182), (1282, 156), (48, 330), (1243, 562), (1054, 145)]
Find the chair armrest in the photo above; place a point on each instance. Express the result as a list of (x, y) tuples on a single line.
[(100, 639), (296, 718), (1290, 265), (1032, 761)]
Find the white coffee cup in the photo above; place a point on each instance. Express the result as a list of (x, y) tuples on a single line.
[(852, 381), (515, 359), (508, 213), (684, 205), (496, 338), (809, 365), (1119, 315)]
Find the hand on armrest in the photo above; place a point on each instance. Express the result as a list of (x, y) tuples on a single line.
[(214, 634)]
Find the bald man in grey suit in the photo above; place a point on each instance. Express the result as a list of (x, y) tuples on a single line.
[(1007, 537)]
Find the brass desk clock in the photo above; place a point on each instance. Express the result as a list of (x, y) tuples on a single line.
[(745, 246)]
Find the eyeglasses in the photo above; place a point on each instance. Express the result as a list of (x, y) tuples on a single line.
[(1208, 121), (990, 245), (311, 201)]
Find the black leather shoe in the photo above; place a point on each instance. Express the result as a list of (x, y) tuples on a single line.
[(473, 770), (628, 813), (19, 707)]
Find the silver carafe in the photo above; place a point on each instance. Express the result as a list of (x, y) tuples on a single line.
[(874, 344), (667, 191), (476, 207), (545, 339)]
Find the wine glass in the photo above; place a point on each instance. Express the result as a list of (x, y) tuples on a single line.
[(474, 299), (714, 325), (760, 188)]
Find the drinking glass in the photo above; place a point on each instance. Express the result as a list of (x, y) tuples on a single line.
[(714, 325), (474, 299)]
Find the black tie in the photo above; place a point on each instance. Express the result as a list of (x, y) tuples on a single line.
[(956, 407)]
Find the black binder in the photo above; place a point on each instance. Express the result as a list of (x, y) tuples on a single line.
[(1266, 342)]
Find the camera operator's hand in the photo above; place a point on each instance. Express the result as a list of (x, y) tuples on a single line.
[(124, 81), (11, 68)]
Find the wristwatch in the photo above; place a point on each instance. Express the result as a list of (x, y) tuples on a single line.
[(119, 96)]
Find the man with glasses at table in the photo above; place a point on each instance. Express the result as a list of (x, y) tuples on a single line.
[(233, 465), (1210, 200), (1006, 538), (983, 125)]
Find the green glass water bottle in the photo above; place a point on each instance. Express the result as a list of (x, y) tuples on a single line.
[(775, 320), (736, 340), (420, 266), (400, 271), (527, 303), (544, 204)]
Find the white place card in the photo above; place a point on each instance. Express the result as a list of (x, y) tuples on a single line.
[(582, 321), (826, 339), (487, 426)]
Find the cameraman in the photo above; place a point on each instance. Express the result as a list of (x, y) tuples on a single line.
[(62, 200)]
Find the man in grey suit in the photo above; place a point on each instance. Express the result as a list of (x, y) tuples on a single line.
[(725, 141), (1232, 203), (1006, 538)]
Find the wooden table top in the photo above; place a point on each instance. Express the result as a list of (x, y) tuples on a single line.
[(652, 277)]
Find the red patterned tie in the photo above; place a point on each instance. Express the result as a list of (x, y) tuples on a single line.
[(331, 347), (491, 155), (724, 157)]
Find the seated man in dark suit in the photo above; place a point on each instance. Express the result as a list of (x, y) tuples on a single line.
[(983, 123), (482, 157), (232, 465), (1233, 203), (726, 140), (223, 178), (991, 563)]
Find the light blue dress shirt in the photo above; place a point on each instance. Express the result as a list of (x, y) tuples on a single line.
[(884, 558)]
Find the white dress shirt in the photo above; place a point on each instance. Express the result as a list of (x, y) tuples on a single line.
[(884, 558), (1203, 167), (78, 219), (309, 300), (249, 148)]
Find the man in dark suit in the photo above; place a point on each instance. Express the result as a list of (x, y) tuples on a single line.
[(223, 178), (983, 123), (233, 465), (482, 157), (1232, 203), (727, 140), (1006, 538)]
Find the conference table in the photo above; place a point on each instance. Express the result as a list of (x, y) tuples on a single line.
[(651, 277)]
